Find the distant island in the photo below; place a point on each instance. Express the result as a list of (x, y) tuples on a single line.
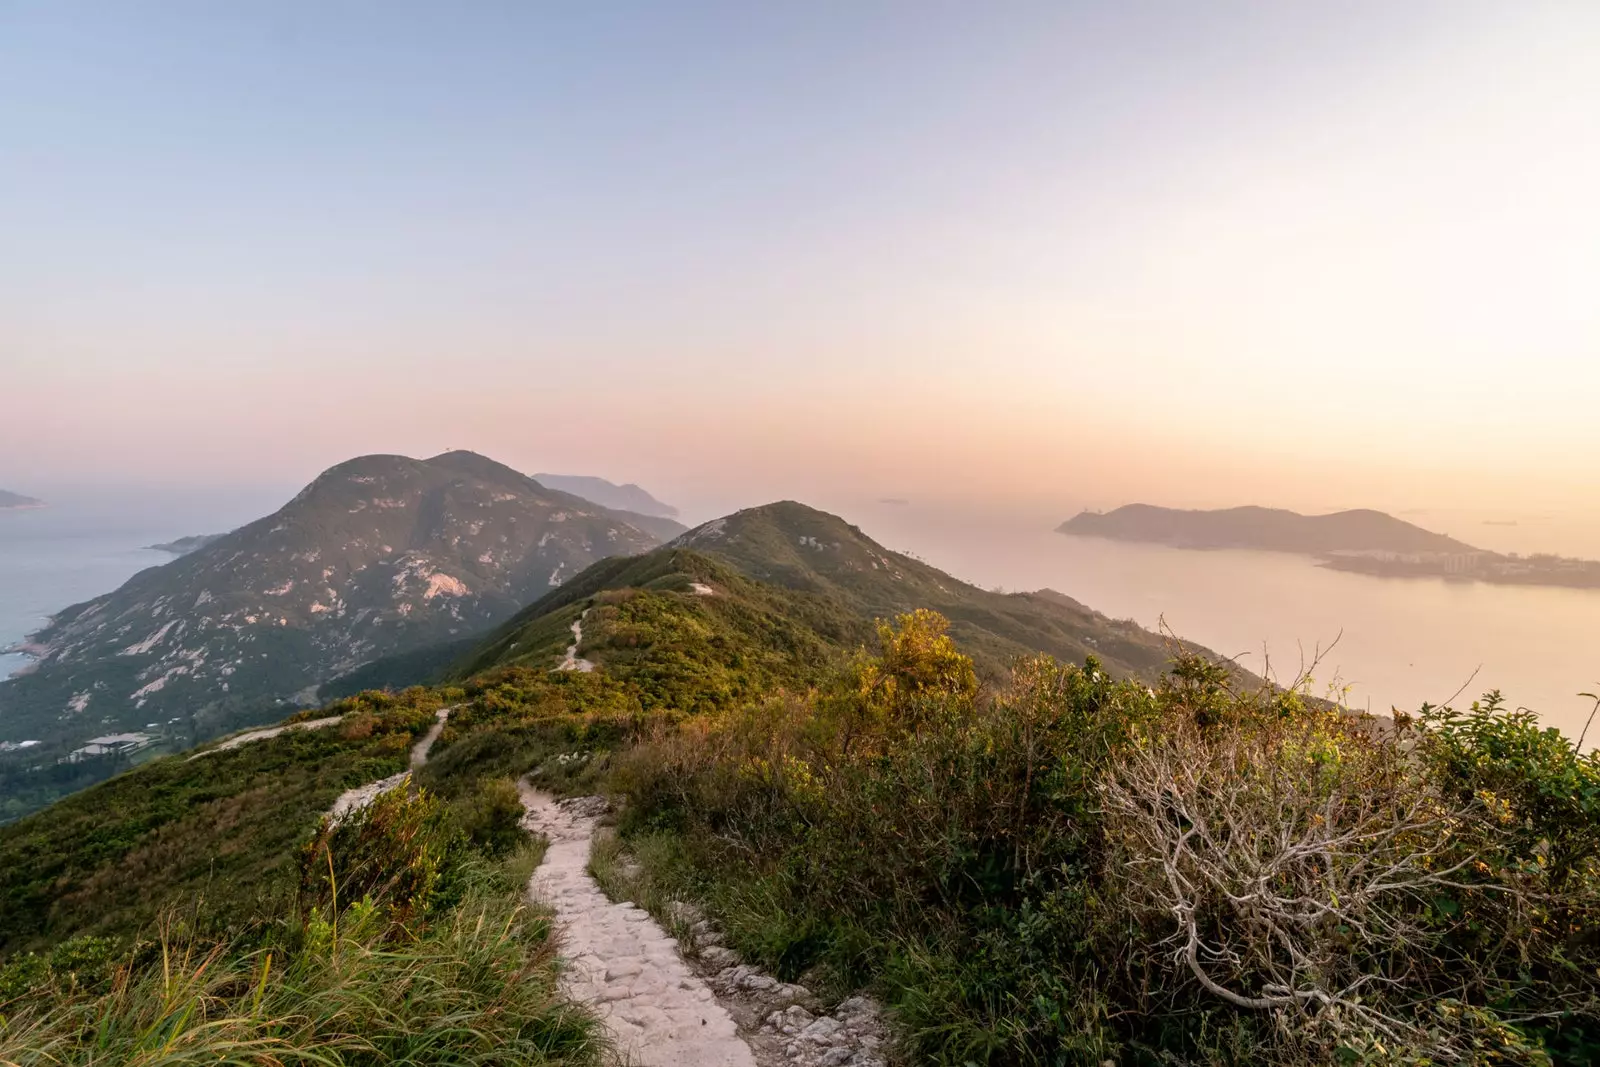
[(185, 545), (628, 497), (1361, 541), (18, 502)]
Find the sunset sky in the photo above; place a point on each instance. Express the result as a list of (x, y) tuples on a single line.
[(1307, 255)]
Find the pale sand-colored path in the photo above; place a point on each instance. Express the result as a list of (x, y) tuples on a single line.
[(623, 965), (271, 731), (362, 795), (573, 662)]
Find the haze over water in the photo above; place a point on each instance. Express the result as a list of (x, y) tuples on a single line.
[(1400, 642)]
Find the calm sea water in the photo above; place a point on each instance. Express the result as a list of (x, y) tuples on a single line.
[(1400, 642), (88, 542)]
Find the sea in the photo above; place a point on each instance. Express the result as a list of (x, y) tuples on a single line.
[(90, 540), (1381, 642)]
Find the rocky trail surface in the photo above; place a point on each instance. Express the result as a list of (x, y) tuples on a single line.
[(574, 662), (362, 795), (624, 966), (662, 1009), (661, 1012)]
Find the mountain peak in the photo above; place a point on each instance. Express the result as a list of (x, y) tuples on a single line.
[(628, 497), (381, 554), (478, 466)]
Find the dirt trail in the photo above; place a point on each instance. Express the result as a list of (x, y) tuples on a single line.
[(573, 662), (623, 965), (271, 731), (362, 795)]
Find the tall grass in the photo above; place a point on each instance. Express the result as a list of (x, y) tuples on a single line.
[(471, 980)]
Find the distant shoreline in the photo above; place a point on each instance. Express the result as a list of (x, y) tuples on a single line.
[(1586, 577), (1357, 542)]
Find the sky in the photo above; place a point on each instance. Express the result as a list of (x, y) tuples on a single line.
[(1009, 254)]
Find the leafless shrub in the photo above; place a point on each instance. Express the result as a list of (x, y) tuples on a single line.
[(1298, 860)]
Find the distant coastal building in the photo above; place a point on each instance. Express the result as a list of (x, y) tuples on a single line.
[(110, 745), (1439, 562), (1463, 562), (16, 746)]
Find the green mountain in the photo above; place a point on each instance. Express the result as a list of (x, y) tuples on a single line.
[(377, 556), (813, 580), (1269, 529), (627, 497), (16, 501)]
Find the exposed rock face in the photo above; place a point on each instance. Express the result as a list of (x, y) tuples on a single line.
[(379, 555)]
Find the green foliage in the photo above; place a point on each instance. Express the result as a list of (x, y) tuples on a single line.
[(392, 854), (346, 986), (489, 816), (222, 827), (994, 865), (1548, 790)]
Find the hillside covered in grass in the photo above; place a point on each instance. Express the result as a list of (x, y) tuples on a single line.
[(799, 578)]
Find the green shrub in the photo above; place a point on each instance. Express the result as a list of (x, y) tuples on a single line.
[(1076, 869), (490, 816)]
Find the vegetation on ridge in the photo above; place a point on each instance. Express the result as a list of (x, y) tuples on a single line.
[(1081, 869), (406, 947), (222, 828)]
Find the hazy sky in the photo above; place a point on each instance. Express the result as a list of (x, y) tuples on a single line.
[(1312, 255)]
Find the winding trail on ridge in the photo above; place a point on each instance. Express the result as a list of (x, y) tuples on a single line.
[(623, 965), (250, 736), (362, 795), (573, 662)]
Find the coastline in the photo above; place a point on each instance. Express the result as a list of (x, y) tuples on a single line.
[(1382, 569), (1580, 574), (29, 647)]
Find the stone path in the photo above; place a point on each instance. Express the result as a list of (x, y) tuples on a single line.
[(271, 731), (573, 662), (623, 965), (362, 795)]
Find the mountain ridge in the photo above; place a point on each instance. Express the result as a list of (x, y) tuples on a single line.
[(820, 569), (626, 497)]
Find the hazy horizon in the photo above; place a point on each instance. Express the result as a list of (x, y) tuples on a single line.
[(1042, 256)]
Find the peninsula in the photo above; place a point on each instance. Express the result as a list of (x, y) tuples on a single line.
[(185, 545), (17, 502), (1362, 541)]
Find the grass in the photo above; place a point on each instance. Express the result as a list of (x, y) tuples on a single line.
[(222, 829), (470, 979)]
